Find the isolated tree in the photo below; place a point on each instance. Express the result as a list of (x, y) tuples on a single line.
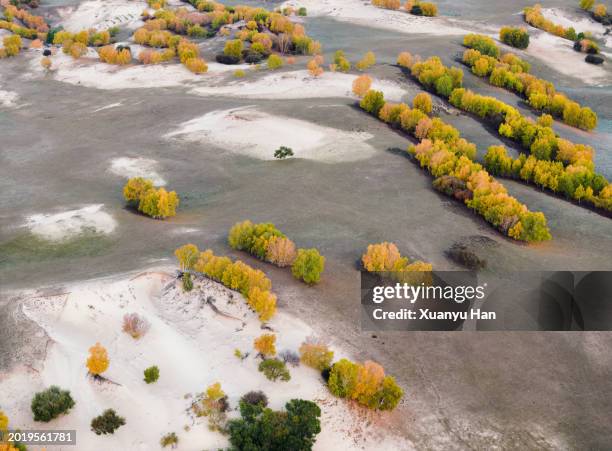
[(98, 361), (367, 61), (265, 345), (107, 423), (170, 439), (405, 59), (361, 85), (135, 325), (151, 374), (51, 403), (274, 369)]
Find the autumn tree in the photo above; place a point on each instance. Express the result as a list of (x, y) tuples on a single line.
[(382, 257), (405, 59), (316, 355), (361, 85), (422, 101), (263, 302), (265, 345), (368, 60), (135, 188), (98, 361), (372, 102), (308, 265), (314, 68), (281, 251), (187, 255)]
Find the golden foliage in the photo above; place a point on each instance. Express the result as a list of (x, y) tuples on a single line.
[(266, 345), (316, 355), (361, 85), (97, 362), (281, 251)]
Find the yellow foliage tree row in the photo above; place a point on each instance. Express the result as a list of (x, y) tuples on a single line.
[(251, 283)]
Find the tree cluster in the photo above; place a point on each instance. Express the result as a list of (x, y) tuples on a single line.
[(214, 405), (385, 257), (515, 37), (575, 181), (267, 243), (449, 158), (365, 383), (511, 72), (251, 283), (12, 46), (260, 427), (599, 12), (435, 76), (484, 44), (156, 203), (534, 17)]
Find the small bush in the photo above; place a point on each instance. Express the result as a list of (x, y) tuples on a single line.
[(461, 254), (233, 48), (135, 325), (170, 439), (275, 62), (316, 355), (302, 11), (275, 369), (265, 345), (51, 403), (151, 374), (290, 357), (239, 73), (107, 423), (187, 282), (283, 152)]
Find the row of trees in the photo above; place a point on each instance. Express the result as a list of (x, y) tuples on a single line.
[(511, 72), (574, 181), (12, 46), (598, 11), (267, 243), (385, 257), (156, 203), (251, 283), (534, 17), (448, 157)]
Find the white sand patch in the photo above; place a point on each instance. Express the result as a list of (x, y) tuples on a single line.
[(102, 14), (107, 107), (363, 13), (59, 226), (193, 348), (8, 99), (251, 132), (137, 167), (298, 85), (558, 53)]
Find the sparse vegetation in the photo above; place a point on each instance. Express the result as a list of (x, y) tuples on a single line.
[(170, 439), (283, 152), (107, 423)]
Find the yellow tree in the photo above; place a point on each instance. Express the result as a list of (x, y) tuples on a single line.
[(4, 421), (263, 302), (361, 85), (422, 101), (187, 255), (281, 251), (266, 345), (316, 355), (382, 257), (370, 376), (97, 362)]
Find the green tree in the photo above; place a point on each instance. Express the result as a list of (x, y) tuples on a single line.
[(372, 102), (107, 423), (308, 265), (274, 369), (51, 403), (151, 374)]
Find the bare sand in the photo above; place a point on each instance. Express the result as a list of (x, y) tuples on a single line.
[(129, 167), (69, 223), (193, 347), (252, 132)]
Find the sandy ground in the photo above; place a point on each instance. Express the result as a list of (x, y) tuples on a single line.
[(193, 347), (298, 85), (580, 21), (137, 167), (102, 14), (364, 13), (8, 98), (66, 224), (251, 132)]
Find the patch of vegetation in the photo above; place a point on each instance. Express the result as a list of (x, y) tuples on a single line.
[(107, 423), (275, 369), (283, 152), (51, 403), (151, 374)]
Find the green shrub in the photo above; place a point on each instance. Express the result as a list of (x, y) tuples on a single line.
[(515, 37), (482, 43), (187, 282), (308, 265), (151, 374), (275, 62), (302, 11), (275, 369), (107, 423), (169, 439), (51, 403), (372, 102), (283, 152)]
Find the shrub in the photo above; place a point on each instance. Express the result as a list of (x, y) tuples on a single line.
[(170, 439), (274, 369), (516, 37), (157, 203), (51, 403), (239, 73), (383, 257), (368, 60), (107, 423), (587, 4), (341, 62), (97, 362), (465, 256), (229, 59), (135, 325), (372, 102), (308, 266), (214, 405), (316, 355), (233, 48), (187, 282), (387, 4), (151, 374), (275, 62), (197, 66), (265, 345), (281, 251), (482, 43), (4, 421), (361, 85), (422, 101), (302, 11), (290, 357), (405, 59), (283, 152), (428, 9), (187, 256), (314, 68)]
